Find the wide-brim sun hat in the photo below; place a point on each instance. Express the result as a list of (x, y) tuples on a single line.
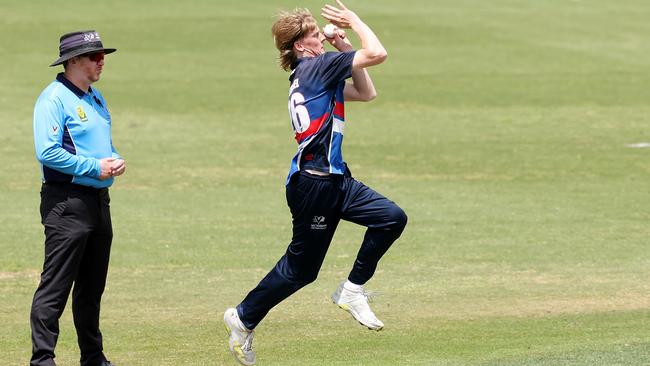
[(79, 43)]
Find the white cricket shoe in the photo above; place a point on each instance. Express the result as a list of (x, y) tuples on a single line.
[(356, 303), (241, 339)]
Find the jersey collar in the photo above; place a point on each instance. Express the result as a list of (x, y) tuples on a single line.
[(73, 88), (295, 63)]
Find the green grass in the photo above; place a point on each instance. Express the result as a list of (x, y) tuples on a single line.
[(501, 128)]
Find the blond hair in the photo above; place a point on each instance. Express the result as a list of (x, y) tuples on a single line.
[(287, 29)]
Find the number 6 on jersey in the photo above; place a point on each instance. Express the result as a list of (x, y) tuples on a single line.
[(298, 112)]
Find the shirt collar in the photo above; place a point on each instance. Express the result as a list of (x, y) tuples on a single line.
[(73, 88), (295, 63)]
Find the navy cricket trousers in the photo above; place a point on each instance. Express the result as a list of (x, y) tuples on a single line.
[(317, 204)]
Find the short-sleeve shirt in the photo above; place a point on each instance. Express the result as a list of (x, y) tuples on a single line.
[(316, 109)]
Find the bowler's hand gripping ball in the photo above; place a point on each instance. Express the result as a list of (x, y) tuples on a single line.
[(329, 30)]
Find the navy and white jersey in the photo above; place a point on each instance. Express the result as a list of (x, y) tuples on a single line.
[(72, 132), (317, 113)]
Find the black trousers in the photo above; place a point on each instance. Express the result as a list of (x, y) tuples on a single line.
[(78, 235), (317, 205)]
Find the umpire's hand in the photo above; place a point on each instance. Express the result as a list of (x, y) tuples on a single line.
[(106, 165)]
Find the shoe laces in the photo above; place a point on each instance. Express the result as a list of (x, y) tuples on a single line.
[(371, 295), (248, 342), (367, 295)]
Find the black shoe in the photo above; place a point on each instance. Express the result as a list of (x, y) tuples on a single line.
[(107, 363)]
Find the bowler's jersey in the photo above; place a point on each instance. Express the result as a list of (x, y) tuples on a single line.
[(72, 132), (317, 113)]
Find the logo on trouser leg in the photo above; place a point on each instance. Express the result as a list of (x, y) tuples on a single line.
[(318, 223)]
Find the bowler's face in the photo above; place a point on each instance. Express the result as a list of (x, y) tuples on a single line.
[(313, 43)]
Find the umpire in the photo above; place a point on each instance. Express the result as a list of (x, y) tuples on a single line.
[(72, 136)]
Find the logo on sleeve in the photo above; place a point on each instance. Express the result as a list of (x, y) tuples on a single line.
[(55, 130), (81, 114), (318, 223)]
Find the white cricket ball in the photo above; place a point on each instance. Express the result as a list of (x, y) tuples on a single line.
[(329, 30)]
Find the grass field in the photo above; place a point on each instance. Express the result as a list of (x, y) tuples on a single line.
[(501, 127)]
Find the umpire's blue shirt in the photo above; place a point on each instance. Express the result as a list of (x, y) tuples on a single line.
[(72, 132)]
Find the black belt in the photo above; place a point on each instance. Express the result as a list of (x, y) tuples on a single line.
[(74, 187)]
